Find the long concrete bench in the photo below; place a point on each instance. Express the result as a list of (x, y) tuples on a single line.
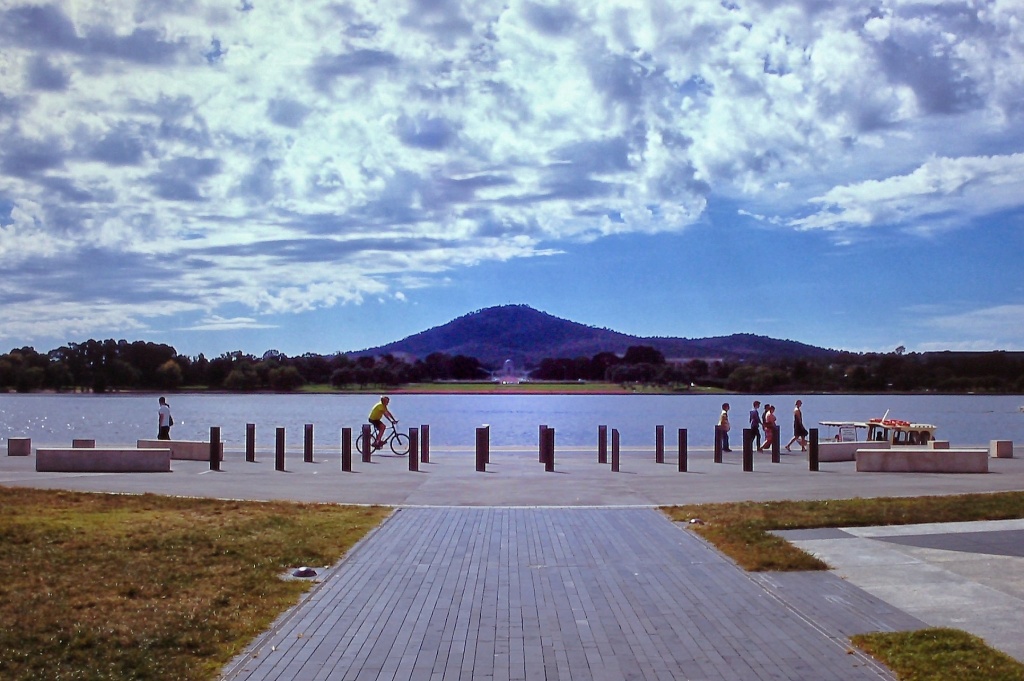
[(187, 450), (845, 451), (102, 460), (922, 460)]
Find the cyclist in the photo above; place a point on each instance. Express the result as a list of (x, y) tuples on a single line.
[(377, 414)]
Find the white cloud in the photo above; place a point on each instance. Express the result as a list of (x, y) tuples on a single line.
[(962, 188), (292, 156), (216, 323), (997, 327)]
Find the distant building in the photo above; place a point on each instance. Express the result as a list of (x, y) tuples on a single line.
[(508, 374)]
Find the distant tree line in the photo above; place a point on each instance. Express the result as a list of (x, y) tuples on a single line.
[(640, 364), (998, 372), (101, 366)]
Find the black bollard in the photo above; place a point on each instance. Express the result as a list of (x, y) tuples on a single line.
[(718, 444), (214, 448), (487, 450), (682, 450), (615, 450), (659, 444), (279, 457), (812, 450), (602, 444), (424, 443), (307, 444), (367, 443), (540, 444), (482, 445), (776, 445), (549, 450), (414, 449), (748, 449), (250, 442), (346, 450)]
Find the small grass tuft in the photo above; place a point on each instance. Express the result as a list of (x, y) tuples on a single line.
[(940, 655)]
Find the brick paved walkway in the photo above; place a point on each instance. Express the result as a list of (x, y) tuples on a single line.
[(558, 593)]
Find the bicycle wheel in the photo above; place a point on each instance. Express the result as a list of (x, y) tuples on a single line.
[(361, 444), (400, 444)]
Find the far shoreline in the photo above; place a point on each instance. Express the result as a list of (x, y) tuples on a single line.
[(554, 388)]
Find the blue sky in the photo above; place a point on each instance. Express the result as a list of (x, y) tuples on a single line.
[(331, 176)]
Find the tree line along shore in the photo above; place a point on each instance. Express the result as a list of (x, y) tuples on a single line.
[(103, 366)]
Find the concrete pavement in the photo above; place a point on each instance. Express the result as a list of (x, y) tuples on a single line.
[(516, 478), (966, 576)]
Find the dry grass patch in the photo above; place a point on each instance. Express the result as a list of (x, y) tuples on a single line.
[(742, 530), (149, 587)]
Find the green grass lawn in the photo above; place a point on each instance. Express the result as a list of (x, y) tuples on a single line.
[(103, 586), (940, 655), (490, 387)]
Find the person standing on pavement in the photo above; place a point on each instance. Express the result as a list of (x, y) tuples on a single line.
[(755, 424), (164, 420), (799, 432), (723, 429)]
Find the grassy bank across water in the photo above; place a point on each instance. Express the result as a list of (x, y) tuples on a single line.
[(103, 586), (524, 388)]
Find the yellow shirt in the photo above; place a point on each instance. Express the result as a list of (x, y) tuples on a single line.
[(378, 411)]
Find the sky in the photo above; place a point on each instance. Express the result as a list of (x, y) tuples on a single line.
[(224, 175)]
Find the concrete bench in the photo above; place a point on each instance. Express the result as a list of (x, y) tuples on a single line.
[(186, 450), (922, 460), (19, 446), (102, 460), (1001, 449), (845, 451)]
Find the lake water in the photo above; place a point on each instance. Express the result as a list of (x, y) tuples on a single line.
[(121, 419)]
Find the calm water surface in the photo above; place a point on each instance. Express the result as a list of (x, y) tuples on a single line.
[(120, 419)]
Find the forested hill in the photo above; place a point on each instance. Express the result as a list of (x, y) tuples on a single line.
[(526, 336)]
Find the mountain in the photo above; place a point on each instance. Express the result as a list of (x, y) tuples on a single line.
[(526, 336)]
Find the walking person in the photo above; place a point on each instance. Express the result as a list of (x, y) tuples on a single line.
[(164, 420), (755, 424), (723, 427), (799, 432), (768, 419)]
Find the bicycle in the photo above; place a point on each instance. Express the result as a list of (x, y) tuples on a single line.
[(399, 442)]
